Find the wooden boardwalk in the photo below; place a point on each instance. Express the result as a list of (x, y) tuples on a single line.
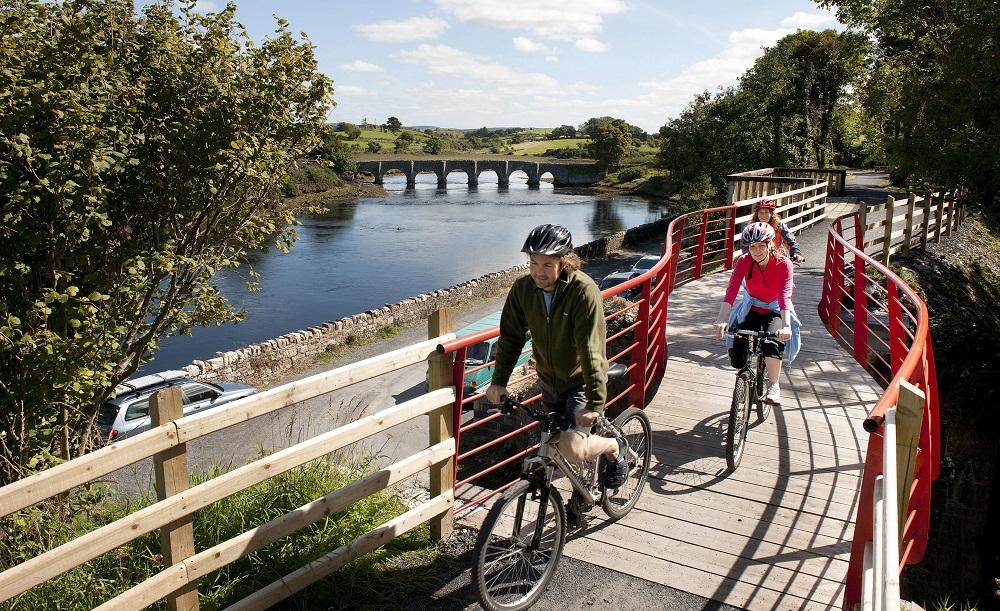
[(775, 534)]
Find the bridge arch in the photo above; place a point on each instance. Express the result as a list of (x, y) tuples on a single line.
[(563, 174)]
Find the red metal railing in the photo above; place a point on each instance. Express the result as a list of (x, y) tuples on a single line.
[(696, 244), (886, 324)]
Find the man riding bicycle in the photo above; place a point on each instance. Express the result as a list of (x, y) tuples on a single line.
[(563, 310), (766, 275)]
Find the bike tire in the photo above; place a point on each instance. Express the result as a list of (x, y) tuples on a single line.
[(634, 424), (739, 415), (763, 407), (507, 574)]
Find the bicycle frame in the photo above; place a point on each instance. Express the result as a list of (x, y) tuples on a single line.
[(549, 461)]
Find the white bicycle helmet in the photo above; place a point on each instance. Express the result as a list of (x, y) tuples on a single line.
[(757, 232)]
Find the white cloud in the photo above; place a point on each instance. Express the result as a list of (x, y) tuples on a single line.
[(811, 21), (553, 19), (591, 45), (206, 6), (360, 66), (404, 30), (478, 70), (352, 90), (668, 98), (529, 46), (552, 58)]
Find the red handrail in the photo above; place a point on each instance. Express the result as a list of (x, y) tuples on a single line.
[(704, 252), (867, 290)]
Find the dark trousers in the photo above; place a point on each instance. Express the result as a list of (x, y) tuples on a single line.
[(756, 321)]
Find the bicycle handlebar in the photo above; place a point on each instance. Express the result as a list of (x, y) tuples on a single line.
[(751, 333)]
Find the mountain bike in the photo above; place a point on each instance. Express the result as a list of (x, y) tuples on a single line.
[(749, 391), (521, 539)]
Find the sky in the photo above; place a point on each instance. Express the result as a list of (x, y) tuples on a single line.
[(468, 64)]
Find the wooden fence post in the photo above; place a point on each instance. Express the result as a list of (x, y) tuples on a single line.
[(862, 228), (911, 201), (909, 418), (171, 470), (940, 218), (890, 209), (442, 422), (949, 196), (928, 199)]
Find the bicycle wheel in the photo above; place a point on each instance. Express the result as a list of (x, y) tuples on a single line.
[(514, 560), (739, 414), (763, 407), (634, 425)]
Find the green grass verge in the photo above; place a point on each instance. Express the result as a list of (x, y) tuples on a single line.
[(32, 531)]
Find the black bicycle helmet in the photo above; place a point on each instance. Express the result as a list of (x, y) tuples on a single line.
[(548, 240)]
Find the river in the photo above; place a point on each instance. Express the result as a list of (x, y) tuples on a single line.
[(368, 252)]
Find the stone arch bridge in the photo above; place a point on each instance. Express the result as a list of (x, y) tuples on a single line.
[(563, 174)]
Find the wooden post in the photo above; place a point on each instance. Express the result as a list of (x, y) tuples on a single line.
[(949, 202), (911, 201), (890, 208), (862, 225), (171, 470), (940, 218), (928, 198), (909, 418), (442, 422)]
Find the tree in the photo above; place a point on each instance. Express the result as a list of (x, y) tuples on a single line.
[(610, 143), (350, 130), (932, 89), (403, 141), (374, 146), (139, 153), (337, 153), (564, 131), (393, 124), (434, 145)]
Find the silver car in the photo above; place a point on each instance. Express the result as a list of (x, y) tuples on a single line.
[(127, 413)]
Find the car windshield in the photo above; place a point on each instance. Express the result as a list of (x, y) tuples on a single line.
[(477, 354), (645, 263)]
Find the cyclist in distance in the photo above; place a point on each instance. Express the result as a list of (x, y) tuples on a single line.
[(766, 275), (563, 310), (764, 212)]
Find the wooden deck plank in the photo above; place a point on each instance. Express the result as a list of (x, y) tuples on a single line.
[(777, 532)]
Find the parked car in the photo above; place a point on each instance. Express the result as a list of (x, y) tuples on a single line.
[(484, 352), (645, 264), (127, 413), (616, 278)]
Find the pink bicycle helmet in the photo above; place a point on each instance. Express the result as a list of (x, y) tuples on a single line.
[(757, 232), (766, 204)]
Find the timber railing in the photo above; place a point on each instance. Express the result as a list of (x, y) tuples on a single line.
[(172, 514), (901, 224), (886, 324)]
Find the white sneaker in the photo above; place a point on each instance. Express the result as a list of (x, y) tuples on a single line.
[(773, 394)]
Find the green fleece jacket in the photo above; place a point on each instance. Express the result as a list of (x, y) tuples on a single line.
[(568, 344)]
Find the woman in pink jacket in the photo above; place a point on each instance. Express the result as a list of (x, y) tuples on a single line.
[(766, 275)]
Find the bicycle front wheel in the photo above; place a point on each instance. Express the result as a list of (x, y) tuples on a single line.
[(739, 415), (634, 426), (518, 548), (763, 407)]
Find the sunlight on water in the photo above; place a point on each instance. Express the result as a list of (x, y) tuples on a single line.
[(368, 252)]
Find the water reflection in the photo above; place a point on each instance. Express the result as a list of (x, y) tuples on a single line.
[(368, 252)]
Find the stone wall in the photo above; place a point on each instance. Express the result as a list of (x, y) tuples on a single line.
[(274, 356)]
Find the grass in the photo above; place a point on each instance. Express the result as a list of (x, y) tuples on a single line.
[(539, 147), (45, 526)]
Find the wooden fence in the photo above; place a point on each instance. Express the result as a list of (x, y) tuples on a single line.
[(901, 224), (166, 443)]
